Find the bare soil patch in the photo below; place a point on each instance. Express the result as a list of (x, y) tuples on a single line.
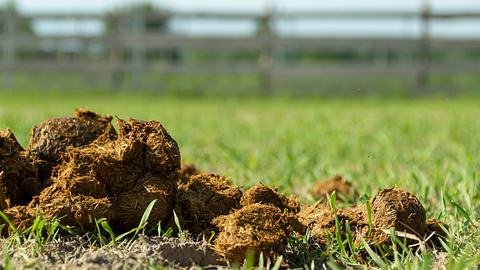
[(79, 253)]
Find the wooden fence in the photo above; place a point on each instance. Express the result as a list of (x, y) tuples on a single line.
[(136, 41)]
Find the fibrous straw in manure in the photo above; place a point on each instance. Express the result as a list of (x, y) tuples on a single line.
[(203, 198), (256, 227), (391, 209), (18, 174), (260, 193), (50, 139), (114, 179)]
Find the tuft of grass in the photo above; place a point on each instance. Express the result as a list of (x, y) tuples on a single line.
[(181, 233), (375, 257), (332, 200)]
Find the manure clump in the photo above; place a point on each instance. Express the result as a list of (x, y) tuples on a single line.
[(20, 216), (18, 173), (261, 193), (256, 228), (323, 188), (50, 139), (205, 197), (320, 218), (188, 170), (391, 208), (114, 179), (76, 210), (399, 209)]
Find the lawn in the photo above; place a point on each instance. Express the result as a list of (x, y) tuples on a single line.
[(428, 147)]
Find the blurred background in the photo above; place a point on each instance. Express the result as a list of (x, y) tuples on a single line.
[(368, 47)]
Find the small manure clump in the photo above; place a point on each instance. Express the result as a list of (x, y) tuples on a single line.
[(18, 173), (188, 170), (399, 209), (320, 218), (256, 228), (50, 139), (323, 188), (391, 208), (261, 193), (203, 198)]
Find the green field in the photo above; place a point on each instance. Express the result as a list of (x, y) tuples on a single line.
[(429, 147)]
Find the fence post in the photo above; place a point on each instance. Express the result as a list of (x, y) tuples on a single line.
[(423, 63), (138, 52), (267, 35), (8, 53), (114, 47)]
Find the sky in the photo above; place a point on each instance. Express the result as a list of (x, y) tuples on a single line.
[(457, 28), (247, 5)]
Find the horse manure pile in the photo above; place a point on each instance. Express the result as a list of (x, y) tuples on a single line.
[(79, 169), (113, 177)]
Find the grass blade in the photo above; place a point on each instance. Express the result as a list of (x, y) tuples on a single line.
[(181, 234), (99, 232), (143, 221), (278, 263), (338, 228), (378, 261), (7, 220), (7, 259), (249, 259), (261, 261), (349, 237), (463, 212), (108, 229), (146, 214)]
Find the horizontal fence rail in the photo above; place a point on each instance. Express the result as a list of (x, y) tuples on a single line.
[(126, 44)]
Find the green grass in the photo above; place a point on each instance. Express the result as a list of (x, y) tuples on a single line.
[(248, 84), (429, 147)]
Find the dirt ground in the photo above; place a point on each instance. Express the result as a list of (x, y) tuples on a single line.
[(146, 252), (78, 253)]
